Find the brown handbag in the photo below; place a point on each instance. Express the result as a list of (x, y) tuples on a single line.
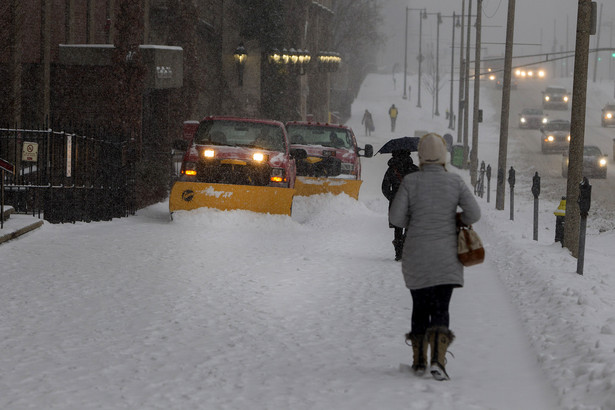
[(470, 248)]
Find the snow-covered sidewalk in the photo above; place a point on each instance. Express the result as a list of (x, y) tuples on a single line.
[(235, 310)]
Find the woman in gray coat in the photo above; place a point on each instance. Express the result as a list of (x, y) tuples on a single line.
[(427, 205)]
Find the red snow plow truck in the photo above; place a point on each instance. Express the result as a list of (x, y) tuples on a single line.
[(331, 163), (236, 163)]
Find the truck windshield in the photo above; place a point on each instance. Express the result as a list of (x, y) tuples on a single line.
[(241, 134), (324, 136)]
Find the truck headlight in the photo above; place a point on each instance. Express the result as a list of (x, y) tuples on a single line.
[(602, 162), (209, 153), (258, 157)]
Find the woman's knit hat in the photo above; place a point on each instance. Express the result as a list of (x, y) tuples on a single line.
[(432, 149)]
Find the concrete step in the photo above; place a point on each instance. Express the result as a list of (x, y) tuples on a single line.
[(8, 210)]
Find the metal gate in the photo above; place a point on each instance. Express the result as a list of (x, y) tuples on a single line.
[(66, 177)]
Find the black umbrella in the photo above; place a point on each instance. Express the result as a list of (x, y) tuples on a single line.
[(404, 143)]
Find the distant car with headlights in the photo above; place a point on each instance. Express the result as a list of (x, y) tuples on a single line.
[(594, 162), (555, 136), (530, 73), (533, 118), (555, 98), (331, 163), (608, 115)]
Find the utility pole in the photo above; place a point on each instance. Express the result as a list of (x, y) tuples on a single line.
[(477, 64), (596, 57), (503, 147), (466, 111), (461, 82), (420, 57), (439, 17), (577, 126)]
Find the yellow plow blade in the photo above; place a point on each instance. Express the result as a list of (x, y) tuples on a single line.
[(307, 186), (192, 195)]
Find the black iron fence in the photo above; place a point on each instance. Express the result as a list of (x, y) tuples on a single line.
[(67, 177)]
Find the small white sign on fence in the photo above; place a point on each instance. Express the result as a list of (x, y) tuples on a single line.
[(29, 152)]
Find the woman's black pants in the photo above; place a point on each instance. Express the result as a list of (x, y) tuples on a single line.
[(430, 307)]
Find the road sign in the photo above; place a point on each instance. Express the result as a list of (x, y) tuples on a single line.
[(29, 151), (7, 166)]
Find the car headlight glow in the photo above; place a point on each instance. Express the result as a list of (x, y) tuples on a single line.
[(550, 138), (258, 157), (209, 153), (569, 138), (523, 120), (609, 115), (492, 77), (602, 162), (544, 120), (541, 74), (530, 73), (565, 98), (547, 98)]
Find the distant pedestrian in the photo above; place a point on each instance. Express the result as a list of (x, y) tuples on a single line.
[(393, 114), (368, 121), (400, 165), (426, 204)]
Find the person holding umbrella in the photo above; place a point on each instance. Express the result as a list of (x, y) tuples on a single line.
[(400, 165)]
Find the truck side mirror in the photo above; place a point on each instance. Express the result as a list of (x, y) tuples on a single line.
[(368, 151), (298, 153)]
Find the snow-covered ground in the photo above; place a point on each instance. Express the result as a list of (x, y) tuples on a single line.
[(235, 310)]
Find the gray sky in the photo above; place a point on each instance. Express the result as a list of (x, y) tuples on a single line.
[(536, 21)]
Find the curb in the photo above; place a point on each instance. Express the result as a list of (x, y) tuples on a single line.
[(17, 233)]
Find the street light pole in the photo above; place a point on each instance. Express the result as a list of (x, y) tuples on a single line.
[(420, 57), (476, 107), (451, 121), (405, 96), (437, 113), (466, 111), (461, 81)]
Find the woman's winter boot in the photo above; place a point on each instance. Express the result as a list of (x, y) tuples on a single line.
[(439, 339), (419, 352)]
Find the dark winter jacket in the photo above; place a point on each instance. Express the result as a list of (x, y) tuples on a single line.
[(399, 167)]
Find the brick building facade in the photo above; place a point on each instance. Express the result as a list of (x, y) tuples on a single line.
[(105, 63)]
